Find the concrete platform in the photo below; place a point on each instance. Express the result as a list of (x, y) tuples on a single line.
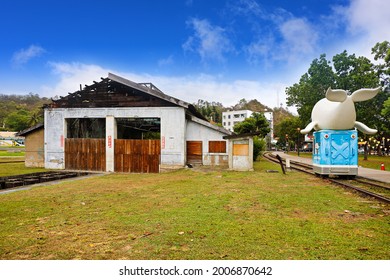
[(379, 175)]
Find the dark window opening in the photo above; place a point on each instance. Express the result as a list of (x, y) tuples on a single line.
[(86, 128), (138, 128)]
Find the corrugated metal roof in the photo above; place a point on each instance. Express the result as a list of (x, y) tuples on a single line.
[(29, 130)]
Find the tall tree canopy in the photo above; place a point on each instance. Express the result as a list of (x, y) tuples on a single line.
[(347, 72), (381, 53), (311, 87), (18, 112), (353, 73), (289, 130), (255, 123)]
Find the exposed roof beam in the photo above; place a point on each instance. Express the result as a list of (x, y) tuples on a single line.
[(157, 93)]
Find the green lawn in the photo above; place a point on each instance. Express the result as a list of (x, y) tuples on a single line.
[(193, 214), (12, 153), (9, 169)]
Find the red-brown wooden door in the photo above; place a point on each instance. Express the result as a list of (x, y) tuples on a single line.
[(194, 152), (137, 156)]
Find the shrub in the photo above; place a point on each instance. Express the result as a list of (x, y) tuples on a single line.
[(259, 146)]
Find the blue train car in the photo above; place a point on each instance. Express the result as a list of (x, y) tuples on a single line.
[(335, 152)]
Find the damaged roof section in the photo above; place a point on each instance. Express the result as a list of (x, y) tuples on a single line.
[(116, 91), (30, 130)]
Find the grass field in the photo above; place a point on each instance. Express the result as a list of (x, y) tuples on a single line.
[(16, 168), (193, 214), (12, 153)]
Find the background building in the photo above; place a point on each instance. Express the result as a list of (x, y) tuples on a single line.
[(35, 146), (230, 118)]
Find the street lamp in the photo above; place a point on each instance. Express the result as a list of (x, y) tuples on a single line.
[(299, 131), (287, 144)]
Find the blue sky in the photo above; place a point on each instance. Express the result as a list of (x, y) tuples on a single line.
[(220, 50)]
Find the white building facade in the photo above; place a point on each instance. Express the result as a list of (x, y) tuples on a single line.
[(183, 134), (231, 118)]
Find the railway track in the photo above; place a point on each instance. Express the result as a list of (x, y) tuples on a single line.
[(12, 161), (15, 181), (364, 186)]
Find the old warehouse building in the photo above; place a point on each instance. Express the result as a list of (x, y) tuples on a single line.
[(122, 126)]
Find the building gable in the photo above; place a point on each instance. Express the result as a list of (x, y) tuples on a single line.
[(115, 91), (109, 93)]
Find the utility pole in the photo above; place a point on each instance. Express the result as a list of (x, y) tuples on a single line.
[(298, 144), (287, 144)]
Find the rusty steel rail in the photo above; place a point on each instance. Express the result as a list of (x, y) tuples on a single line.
[(360, 190), (294, 165), (38, 177), (374, 183), (307, 168), (12, 161)]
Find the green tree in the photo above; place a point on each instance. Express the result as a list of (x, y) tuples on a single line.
[(18, 120), (353, 73), (381, 53), (311, 87), (11, 104), (259, 145), (288, 131), (255, 123), (386, 115), (6, 108), (210, 110), (242, 105), (35, 117)]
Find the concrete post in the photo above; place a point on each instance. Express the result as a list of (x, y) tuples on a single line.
[(110, 137)]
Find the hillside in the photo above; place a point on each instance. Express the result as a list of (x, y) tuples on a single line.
[(18, 112), (213, 110)]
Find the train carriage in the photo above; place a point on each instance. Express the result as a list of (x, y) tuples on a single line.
[(335, 152)]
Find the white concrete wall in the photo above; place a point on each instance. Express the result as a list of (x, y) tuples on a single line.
[(55, 134), (173, 127), (241, 162), (111, 133), (196, 131)]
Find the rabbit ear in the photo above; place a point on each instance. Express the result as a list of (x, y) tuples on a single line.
[(364, 94), (365, 129), (309, 127), (336, 95)]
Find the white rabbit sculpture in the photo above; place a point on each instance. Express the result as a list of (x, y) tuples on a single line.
[(337, 111)]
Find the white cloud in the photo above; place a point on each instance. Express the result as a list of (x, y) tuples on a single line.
[(23, 56), (277, 36), (166, 61), (299, 36), (269, 56), (258, 52), (247, 8), (186, 88), (211, 88), (71, 75), (367, 22), (210, 42), (371, 17)]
